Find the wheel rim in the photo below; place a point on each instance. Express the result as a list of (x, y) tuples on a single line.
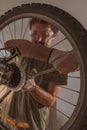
[(74, 107)]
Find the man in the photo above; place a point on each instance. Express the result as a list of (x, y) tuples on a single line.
[(29, 106)]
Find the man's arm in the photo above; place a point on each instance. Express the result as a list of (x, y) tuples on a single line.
[(64, 62), (29, 49), (46, 98)]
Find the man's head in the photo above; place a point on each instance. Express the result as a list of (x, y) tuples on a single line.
[(42, 31)]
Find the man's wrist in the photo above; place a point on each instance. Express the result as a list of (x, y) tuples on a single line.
[(33, 88)]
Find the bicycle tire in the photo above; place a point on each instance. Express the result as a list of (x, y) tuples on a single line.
[(72, 28)]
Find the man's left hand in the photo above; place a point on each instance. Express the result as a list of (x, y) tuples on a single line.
[(30, 85)]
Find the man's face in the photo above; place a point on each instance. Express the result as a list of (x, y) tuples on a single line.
[(42, 34)]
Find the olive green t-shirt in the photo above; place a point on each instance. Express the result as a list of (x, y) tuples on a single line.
[(23, 107)]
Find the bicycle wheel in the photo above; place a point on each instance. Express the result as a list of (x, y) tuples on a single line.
[(69, 111)]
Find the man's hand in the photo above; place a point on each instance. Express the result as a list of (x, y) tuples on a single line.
[(64, 62), (69, 64), (29, 86)]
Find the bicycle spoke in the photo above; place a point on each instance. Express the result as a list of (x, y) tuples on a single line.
[(22, 23), (59, 42), (60, 112), (14, 30), (26, 28), (10, 31)]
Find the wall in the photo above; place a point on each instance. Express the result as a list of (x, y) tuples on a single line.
[(77, 8)]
